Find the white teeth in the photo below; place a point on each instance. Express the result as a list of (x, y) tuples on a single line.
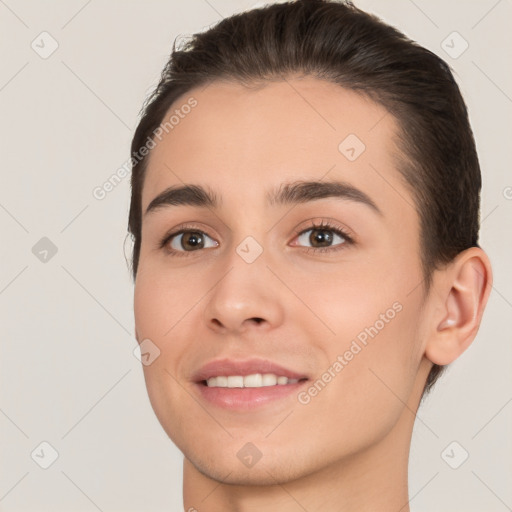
[(235, 381), (222, 381), (269, 379), (255, 380)]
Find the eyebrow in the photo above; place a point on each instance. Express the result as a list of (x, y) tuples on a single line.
[(286, 194)]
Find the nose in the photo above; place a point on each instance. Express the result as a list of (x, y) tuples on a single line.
[(247, 296)]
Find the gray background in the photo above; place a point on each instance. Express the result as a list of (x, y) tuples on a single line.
[(68, 373)]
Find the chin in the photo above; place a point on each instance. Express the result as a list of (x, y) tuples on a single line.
[(224, 462), (261, 474)]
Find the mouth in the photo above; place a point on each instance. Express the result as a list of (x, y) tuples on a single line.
[(246, 385)]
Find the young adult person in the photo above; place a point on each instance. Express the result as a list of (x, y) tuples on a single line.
[(305, 217)]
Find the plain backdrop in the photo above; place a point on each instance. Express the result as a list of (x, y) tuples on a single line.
[(68, 373)]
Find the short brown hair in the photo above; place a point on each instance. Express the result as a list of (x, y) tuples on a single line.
[(337, 42)]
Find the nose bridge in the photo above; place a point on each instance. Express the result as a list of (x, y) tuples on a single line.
[(245, 289)]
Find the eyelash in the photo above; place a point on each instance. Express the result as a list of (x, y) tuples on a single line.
[(323, 226)]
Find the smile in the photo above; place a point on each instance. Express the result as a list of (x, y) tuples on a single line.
[(245, 385)]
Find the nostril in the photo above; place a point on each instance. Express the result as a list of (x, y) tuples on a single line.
[(258, 320)]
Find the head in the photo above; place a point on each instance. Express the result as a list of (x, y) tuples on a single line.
[(303, 91)]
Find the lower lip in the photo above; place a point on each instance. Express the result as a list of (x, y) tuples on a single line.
[(247, 398)]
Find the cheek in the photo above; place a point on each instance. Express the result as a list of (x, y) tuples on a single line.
[(166, 307), (374, 352), (372, 381), (157, 308), (160, 301)]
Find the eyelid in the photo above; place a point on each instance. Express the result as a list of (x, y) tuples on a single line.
[(327, 224), (185, 227)]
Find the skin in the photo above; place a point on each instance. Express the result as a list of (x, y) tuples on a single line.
[(347, 449)]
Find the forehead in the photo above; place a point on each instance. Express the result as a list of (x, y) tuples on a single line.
[(242, 142)]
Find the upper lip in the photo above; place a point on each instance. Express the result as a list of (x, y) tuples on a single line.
[(228, 367)]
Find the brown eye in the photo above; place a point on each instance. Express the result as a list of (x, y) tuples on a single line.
[(188, 241), (322, 236)]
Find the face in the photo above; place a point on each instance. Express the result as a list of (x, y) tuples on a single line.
[(279, 278)]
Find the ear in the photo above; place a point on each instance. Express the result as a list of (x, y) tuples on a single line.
[(462, 296)]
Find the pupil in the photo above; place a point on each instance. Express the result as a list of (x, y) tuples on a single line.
[(322, 237), (194, 237)]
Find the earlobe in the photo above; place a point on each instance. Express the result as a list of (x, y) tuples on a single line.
[(464, 297)]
